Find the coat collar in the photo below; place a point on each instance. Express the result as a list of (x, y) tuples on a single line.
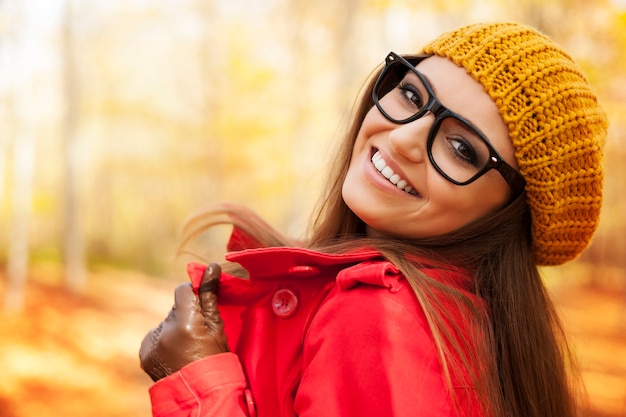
[(278, 263), (272, 263)]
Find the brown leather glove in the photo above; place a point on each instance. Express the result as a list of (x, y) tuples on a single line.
[(192, 330)]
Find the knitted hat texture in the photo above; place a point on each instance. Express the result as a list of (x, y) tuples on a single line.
[(555, 123)]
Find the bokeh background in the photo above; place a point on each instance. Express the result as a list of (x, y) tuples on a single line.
[(119, 118)]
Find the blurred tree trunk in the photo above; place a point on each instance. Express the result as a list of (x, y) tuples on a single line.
[(20, 83), (73, 242), (17, 250), (21, 196), (6, 109), (295, 17), (212, 55)]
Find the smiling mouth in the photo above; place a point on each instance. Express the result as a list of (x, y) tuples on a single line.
[(381, 166)]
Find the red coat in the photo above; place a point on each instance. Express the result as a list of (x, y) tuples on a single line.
[(316, 335)]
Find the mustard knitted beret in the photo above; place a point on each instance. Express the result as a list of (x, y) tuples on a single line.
[(555, 123)]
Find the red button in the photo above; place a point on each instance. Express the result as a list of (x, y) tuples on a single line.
[(304, 271), (284, 303)]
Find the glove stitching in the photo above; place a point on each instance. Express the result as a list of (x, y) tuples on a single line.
[(160, 369)]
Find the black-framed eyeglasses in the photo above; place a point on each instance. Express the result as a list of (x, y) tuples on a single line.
[(458, 150)]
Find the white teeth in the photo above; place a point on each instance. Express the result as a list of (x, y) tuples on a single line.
[(387, 172), (380, 164)]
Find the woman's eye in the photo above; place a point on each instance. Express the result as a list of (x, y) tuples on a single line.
[(463, 150), (411, 94)]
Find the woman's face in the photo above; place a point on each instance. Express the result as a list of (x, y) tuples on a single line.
[(433, 205)]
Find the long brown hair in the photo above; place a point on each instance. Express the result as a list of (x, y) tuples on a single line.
[(519, 343)]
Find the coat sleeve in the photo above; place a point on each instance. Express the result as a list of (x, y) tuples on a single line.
[(214, 386), (369, 352)]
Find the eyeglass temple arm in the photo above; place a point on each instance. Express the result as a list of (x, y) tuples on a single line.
[(512, 177)]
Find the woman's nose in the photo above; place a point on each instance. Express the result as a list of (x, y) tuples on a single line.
[(409, 140)]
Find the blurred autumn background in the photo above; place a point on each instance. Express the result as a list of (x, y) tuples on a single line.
[(119, 118)]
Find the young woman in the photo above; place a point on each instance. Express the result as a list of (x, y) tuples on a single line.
[(417, 293)]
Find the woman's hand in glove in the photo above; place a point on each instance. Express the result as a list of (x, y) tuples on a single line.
[(192, 330)]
